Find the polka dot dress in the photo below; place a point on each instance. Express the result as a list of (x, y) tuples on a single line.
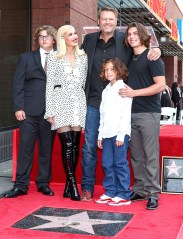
[(65, 96)]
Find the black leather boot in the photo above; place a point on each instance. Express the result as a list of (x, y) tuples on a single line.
[(67, 159), (66, 193), (76, 136)]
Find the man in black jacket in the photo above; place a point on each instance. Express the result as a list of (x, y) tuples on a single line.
[(108, 43), (29, 85)]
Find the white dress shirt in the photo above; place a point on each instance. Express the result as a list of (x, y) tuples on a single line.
[(115, 113), (43, 56)]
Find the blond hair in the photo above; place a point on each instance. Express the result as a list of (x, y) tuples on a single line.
[(61, 46)]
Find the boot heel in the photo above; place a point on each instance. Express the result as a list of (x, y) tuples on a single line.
[(66, 193), (74, 190)]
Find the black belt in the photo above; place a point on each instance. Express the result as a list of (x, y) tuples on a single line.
[(55, 86)]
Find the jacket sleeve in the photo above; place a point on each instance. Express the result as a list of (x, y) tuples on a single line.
[(85, 62), (51, 71), (18, 84)]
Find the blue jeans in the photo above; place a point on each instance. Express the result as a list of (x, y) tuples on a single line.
[(89, 150), (116, 168)]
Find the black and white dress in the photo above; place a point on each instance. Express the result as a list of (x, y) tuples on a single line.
[(65, 96)]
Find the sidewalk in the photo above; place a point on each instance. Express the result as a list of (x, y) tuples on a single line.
[(5, 176)]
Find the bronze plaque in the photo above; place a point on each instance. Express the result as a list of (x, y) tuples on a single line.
[(172, 175)]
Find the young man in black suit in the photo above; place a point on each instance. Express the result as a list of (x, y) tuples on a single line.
[(29, 85)]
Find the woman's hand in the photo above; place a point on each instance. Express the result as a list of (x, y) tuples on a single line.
[(50, 120)]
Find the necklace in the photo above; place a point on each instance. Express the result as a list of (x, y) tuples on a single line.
[(136, 57)]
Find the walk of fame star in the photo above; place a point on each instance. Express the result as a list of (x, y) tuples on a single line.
[(173, 168), (79, 221), (75, 221)]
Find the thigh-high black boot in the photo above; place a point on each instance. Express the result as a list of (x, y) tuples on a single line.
[(76, 136), (67, 159)]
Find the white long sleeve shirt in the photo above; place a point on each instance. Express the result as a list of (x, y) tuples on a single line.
[(115, 113)]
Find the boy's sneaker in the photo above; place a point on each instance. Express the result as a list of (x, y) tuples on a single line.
[(103, 199), (116, 201)]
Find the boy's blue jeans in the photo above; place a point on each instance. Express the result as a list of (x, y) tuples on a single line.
[(116, 168)]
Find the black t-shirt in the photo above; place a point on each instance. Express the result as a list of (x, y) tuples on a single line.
[(141, 73)]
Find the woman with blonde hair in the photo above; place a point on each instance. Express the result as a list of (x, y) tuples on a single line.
[(66, 102)]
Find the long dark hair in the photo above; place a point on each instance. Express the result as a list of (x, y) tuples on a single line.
[(142, 32), (174, 86)]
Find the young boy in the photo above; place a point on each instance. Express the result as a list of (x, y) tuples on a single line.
[(114, 133)]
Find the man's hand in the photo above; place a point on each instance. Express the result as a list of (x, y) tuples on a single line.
[(20, 115), (127, 92), (154, 54)]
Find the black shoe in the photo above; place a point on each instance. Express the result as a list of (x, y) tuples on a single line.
[(152, 204), (46, 191), (137, 197), (15, 192)]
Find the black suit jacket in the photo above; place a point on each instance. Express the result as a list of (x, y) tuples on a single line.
[(89, 45), (29, 84)]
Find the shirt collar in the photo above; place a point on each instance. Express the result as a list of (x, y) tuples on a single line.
[(115, 85), (42, 51), (113, 37)]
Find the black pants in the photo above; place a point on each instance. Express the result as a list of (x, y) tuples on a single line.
[(31, 129)]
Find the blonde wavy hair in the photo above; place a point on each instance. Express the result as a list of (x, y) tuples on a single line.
[(61, 46)]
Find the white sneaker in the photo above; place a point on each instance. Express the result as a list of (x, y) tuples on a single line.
[(117, 201), (103, 199)]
